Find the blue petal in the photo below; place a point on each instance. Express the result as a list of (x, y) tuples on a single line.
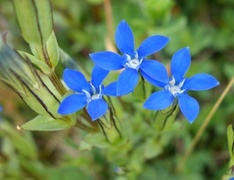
[(111, 89), (127, 81), (108, 60), (189, 107), (72, 104), (200, 82), (153, 81), (180, 63), (98, 75), (159, 100), (97, 108), (75, 80), (155, 70), (151, 45), (124, 38)]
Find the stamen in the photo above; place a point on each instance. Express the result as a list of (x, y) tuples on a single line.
[(93, 89), (94, 94), (175, 89), (133, 63)]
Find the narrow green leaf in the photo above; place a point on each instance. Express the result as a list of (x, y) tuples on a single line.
[(53, 49), (40, 64), (35, 20), (41, 123), (230, 138)]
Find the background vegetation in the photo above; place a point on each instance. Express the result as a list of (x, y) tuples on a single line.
[(82, 27)]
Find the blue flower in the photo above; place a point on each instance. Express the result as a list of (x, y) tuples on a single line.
[(87, 94), (132, 61), (177, 86)]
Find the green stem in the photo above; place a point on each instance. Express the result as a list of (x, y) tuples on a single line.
[(85, 127), (203, 127), (57, 83)]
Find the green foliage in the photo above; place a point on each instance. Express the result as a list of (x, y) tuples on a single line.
[(80, 27), (37, 19), (43, 123)]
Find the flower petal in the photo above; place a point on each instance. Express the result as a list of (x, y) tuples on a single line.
[(200, 82), (124, 38), (153, 81), (97, 108), (188, 106), (72, 104), (155, 70), (151, 45), (108, 60), (180, 63), (159, 100), (111, 89), (75, 80), (98, 75), (127, 81)]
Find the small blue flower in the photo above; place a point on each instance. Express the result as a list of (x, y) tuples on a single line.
[(87, 94), (177, 86), (132, 61)]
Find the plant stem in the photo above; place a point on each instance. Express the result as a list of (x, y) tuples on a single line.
[(203, 127), (85, 127), (109, 19), (57, 83)]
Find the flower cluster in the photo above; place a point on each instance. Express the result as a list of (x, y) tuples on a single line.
[(134, 64)]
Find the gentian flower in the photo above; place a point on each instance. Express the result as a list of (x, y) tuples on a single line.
[(176, 87), (87, 94), (132, 61)]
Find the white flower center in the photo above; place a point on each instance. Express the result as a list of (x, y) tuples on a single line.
[(133, 63), (175, 89), (93, 95)]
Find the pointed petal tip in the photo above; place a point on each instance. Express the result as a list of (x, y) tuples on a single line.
[(189, 107), (201, 82), (152, 45), (191, 120), (124, 38), (180, 63), (123, 21)]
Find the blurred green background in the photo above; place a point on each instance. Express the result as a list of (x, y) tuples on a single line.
[(85, 26)]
